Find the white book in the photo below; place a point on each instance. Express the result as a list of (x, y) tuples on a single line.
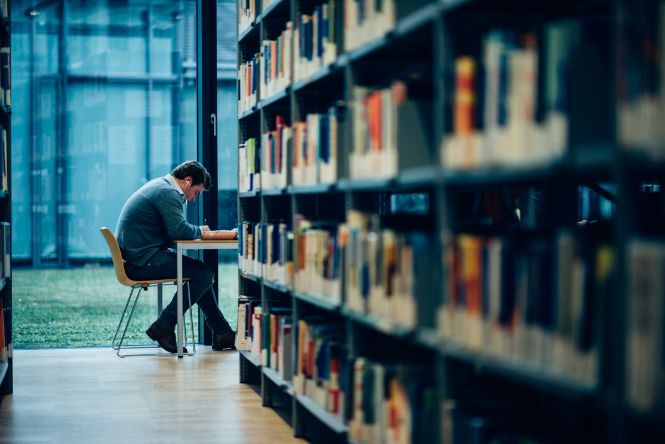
[(645, 324)]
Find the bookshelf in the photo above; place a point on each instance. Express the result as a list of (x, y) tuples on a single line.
[(6, 372), (454, 209)]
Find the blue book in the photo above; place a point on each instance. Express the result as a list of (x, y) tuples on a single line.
[(303, 37), (318, 16), (310, 39), (324, 131)]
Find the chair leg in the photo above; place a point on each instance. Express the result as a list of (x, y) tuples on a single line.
[(115, 336), (129, 318)]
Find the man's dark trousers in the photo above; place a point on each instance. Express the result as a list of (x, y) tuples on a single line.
[(163, 266)]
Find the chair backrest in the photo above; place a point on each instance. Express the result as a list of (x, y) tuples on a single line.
[(116, 254)]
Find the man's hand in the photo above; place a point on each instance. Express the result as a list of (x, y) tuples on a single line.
[(204, 228)]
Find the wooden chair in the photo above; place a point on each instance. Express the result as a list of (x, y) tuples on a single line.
[(121, 275)]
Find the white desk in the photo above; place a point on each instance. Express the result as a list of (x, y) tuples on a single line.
[(196, 244)]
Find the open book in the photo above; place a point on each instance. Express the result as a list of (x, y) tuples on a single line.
[(220, 234)]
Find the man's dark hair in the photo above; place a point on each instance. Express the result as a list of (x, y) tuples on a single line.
[(195, 170)]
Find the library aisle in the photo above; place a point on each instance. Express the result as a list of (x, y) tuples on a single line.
[(90, 395)]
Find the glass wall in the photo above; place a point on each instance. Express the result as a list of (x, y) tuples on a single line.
[(227, 152), (104, 99), (110, 109)]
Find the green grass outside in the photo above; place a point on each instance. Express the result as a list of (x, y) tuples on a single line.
[(81, 307)]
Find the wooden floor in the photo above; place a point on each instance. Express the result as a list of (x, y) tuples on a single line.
[(90, 395)]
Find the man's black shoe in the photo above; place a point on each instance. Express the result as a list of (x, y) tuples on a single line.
[(224, 341), (165, 339)]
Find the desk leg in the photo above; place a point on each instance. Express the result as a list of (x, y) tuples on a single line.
[(180, 329), (160, 299)]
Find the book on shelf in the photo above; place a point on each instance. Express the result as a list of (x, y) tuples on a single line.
[(385, 271), (314, 40), (265, 339), (249, 169), (277, 247), (535, 301), (247, 248), (5, 227), (257, 334), (5, 75), (384, 120), (275, 64), (484, 421), (275, 147), (246, 14), (284, 357), (266, 249), (285, 256), (366, 20), (317, 259), (248, 83), (315, 148), (645, 326), (641, 108), (5, 8), (391, 402), (277, 340), (244, 325), (320, 361), (496, 116)]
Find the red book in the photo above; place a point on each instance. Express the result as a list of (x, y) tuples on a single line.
[(465, 68), (279, 125), (374, 108)]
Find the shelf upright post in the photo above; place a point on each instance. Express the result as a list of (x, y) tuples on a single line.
[(206, 91), (7, 385)]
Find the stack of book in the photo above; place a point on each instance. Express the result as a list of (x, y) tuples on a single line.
[(321, 360), (248, 250), (275, 146), (536, 301), (641, 110), (365, 20), (484, 422), (257, 349), (278, 342), (645, 329), (384, 270), (495, 115), (244, 325), (275, 64), (393, 402), (317, 260), (315, 148), (249, 176), (314, 40), (383, 120), (276, 246), (248, 83), (246, 14)]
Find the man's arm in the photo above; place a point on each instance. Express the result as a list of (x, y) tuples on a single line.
[(171, 209)]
